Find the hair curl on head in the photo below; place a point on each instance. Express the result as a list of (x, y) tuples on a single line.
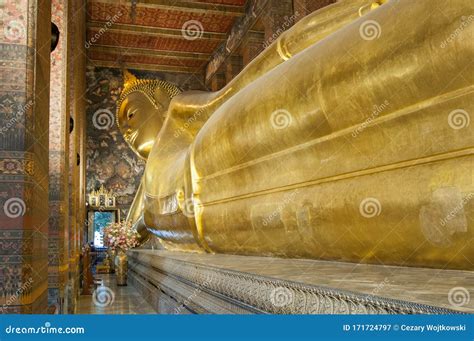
[(147, 87)]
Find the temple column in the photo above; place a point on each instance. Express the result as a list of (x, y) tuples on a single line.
[(305, 7), (252, 46), (278, 18), (73, 252), (76, 69), (24, 117), (58, 163), (233, 67), (217, 81), (236, 35)]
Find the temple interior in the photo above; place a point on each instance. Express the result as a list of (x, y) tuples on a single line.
[(236, 157)]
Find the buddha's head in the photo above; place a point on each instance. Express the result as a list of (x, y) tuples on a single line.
[(141, 111)]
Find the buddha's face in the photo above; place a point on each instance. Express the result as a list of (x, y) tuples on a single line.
[(140, 120)]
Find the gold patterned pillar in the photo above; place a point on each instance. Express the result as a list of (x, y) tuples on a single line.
[(25, 38), (58, 162), (77, 88), (73, 280)]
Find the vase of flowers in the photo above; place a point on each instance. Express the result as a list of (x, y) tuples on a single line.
[(120, 237), (112, 253)]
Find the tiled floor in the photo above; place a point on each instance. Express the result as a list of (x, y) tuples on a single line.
[(112, 299)]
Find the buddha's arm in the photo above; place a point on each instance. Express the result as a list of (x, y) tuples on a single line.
[(135, 214)]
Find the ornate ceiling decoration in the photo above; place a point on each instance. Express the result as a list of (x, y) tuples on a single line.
[(158, 35)]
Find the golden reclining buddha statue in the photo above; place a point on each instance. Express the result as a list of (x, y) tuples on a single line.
[(347, 139)]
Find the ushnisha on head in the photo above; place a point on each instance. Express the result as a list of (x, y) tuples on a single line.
[(141, 111)]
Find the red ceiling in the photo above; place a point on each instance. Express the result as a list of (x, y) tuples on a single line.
[(153, 42), (145, 16), (105, 19), (137, 59)]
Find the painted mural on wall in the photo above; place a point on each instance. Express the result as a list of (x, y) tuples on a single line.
[(110, 162)]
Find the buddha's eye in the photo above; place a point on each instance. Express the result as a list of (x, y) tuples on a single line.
[(131, 113)]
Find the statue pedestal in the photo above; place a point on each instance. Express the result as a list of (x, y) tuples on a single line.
[(181, 283)]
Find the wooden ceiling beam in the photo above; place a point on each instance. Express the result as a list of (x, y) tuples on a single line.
[(186, 6), (146, 67), (128, 51), (152, 31)]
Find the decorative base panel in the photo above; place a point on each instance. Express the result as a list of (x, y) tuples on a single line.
[(184, 283)]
